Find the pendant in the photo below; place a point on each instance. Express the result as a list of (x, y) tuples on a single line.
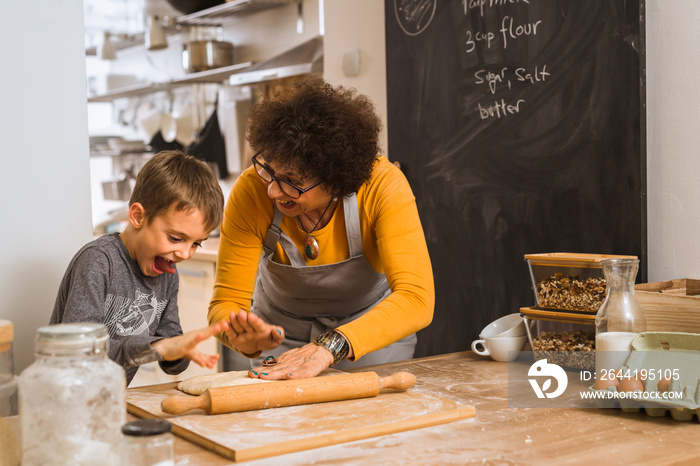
[(311, 248)]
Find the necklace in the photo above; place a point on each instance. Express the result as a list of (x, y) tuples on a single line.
[(311, 245)]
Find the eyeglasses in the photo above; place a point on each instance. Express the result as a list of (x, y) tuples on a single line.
[(268, 176)]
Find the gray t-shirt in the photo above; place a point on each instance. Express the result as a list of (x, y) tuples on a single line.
[(104, 284)]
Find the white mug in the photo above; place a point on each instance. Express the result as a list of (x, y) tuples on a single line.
[(511, 325), (499, 348)]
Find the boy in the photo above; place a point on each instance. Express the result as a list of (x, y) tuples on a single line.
[(128, 281)]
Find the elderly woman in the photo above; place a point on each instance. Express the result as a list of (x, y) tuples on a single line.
[(322, 258)]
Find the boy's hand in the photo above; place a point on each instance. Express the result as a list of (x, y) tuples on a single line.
[(250, 334), (201, 359), (184, 346)]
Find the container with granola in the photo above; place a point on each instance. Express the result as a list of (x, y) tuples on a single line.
[(569, 282)]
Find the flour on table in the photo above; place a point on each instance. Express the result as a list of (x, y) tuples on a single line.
[(199, 384)]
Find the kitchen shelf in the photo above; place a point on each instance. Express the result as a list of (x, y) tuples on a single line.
[(214, 16), (216, 75), (226, 12)]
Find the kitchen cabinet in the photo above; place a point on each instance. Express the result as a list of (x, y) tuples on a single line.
[(196, 286)]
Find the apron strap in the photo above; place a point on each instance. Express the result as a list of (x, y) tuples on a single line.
[(275, 235), (352, 229), (352, 225)]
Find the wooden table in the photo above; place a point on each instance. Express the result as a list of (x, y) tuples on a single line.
[(498, 434)]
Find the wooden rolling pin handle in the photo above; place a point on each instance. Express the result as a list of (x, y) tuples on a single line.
[(398, 381), (182, 404)]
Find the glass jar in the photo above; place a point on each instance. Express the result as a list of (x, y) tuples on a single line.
[(147, 442), (9, 442), (72, 398), (620, 318)]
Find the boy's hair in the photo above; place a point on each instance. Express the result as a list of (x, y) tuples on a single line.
[(171, 179)]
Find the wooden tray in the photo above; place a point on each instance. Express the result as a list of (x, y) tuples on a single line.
[(252, 435)]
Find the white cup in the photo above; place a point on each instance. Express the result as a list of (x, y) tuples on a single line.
[(511, 325), (499, 348)]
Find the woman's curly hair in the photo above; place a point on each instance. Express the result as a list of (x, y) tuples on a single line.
[(326, 133)]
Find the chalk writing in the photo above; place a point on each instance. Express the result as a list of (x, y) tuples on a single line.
[(505, 76), (499, 109), (515, 31), (414, 16), (509, 30), (481, 4)]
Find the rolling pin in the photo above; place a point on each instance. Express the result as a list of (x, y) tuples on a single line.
[(288, 393)]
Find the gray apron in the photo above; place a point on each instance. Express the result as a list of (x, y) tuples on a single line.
[(310, 300)]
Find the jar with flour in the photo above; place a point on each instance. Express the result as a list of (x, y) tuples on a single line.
[(72, 399)]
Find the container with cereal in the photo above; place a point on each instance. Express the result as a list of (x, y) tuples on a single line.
[(569, 282), (564, 339)]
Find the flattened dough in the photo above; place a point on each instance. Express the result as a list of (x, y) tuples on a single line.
[(199, 384)]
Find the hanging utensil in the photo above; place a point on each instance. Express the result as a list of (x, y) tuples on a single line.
[(300, 17)]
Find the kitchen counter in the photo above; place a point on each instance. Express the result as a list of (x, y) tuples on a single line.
[(498, 434)]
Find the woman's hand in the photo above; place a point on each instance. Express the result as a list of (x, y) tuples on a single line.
[(250, 334), (298, 363), (184, 346)]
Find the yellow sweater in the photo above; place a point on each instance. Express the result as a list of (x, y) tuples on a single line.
[(392, 239)]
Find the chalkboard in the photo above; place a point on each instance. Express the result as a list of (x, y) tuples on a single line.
[(520, 127)]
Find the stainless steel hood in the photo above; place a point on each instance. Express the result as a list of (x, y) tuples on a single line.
[(302, 59)]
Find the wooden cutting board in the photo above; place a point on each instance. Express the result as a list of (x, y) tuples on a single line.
[(250, 435)]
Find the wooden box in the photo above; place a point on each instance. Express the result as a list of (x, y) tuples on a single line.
[(670, 306)]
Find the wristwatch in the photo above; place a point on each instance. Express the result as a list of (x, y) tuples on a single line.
[(336, 343)]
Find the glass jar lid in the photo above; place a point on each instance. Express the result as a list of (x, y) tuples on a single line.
[(146, 427), (85, 338)]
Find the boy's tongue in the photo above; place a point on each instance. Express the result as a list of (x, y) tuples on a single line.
[(161, 265)]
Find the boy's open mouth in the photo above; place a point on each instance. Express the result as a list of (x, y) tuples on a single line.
[(161, 265)]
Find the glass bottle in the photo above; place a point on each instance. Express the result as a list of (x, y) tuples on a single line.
[(620, 318), (72, 398), (147, 442), (11, 452)]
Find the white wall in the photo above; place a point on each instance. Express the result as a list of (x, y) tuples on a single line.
[(44, 180), (673, 138), (357, 24)]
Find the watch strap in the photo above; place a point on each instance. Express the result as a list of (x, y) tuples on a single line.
[(336, 343)]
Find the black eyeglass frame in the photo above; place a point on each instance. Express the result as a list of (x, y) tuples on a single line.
[(301, 191)]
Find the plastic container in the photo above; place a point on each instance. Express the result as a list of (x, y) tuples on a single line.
[(569, 282), (147, 442), (72, 398)]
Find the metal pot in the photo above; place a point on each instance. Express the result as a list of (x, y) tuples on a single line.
[(205, 55)]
